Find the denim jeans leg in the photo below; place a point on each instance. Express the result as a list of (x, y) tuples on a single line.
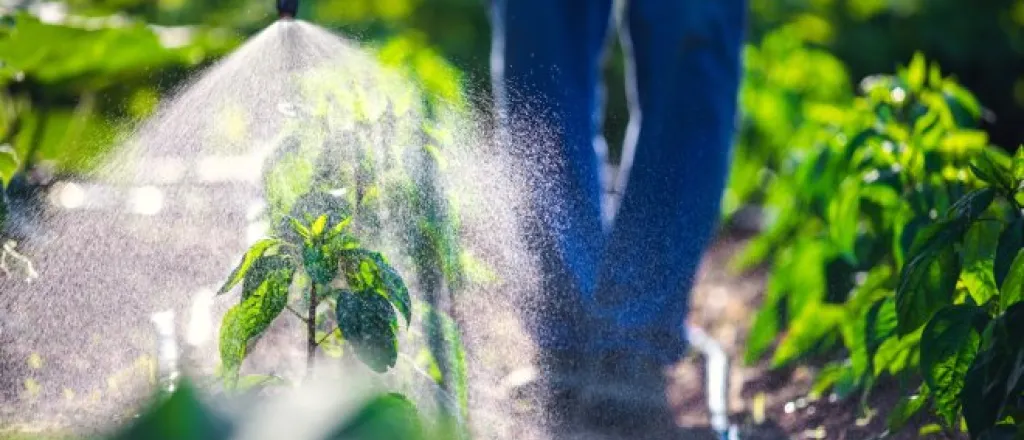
[(546, 70), (685, 75)]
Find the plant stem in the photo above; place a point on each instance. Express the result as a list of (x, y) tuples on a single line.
[(321, 341), (296, 313), (311, 332)]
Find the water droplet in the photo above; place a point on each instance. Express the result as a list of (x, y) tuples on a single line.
[(146, 200), (67, 195), (898, 95)]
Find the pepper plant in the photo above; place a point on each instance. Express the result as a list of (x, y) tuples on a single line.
[(856, 267), (323, 260), (963, 292)]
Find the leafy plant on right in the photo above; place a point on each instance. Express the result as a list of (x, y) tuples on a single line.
[(361, 290), (965, 284), (856, 264)]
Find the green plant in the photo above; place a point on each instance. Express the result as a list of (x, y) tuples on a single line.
[(183, 415), (789, 89), (360, 289), (66, 88), (963, 291), (847, 223)]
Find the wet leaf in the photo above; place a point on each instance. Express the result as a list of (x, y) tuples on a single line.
[(368, 322), (340, 227), (389, 417), (180, 416), (300, 229), (249, 319), (375, 273), (263, 267), (318, 225), (250, 257)]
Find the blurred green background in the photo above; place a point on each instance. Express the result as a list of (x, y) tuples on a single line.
[(74, 72)]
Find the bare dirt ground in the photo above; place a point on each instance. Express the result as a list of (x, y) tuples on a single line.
[(765, 404)]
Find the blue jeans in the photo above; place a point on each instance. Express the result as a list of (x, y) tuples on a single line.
[(625, 287)]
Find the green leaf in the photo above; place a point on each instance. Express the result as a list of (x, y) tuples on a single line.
[(981, 397), (979, 252), (370, 270), (247, 320), (180, 416), (1012, 290), (317, 228), (905, 409), (1018, 164), (949, 344), (449, 356), (388, 417), (829, 375), (970, 207), (917, 72), (8, 164), (994, 380), (929, 429), (340, 227), (882, 195), (809, 328), (762, 333), (254, 252), (881, 323), (368, 322), (894, 354), (1011, 241), (986, 168), (843, 215), (927, 284), (320, 262), (300, 229), (263, 267)]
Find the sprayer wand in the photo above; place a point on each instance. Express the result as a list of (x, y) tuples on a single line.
[(287, 8)]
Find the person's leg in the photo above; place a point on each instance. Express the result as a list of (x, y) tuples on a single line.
[(546, 69), (685, 74)]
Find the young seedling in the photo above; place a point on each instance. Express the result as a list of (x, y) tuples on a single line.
[(360, 286)]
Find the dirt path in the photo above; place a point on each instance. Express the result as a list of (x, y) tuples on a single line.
[(765, 404)]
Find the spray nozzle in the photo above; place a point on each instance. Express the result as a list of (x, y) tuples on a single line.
[(287, 8)]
